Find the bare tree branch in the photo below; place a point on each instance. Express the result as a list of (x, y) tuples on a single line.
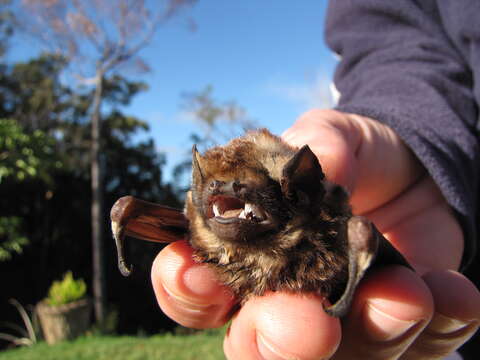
[(88, 31)]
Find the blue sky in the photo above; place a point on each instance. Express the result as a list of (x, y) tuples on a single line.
[(269, 56)]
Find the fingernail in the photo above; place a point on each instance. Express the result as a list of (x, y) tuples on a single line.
[(384, 327), (188, 304), (442, 324), (269, 351)]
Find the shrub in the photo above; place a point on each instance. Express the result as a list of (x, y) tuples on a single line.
[(66, 291)]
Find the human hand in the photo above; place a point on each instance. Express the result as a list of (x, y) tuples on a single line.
[(393, 312)]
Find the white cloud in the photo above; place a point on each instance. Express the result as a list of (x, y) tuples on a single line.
[(185, 116), (181, 116), (315, 92)]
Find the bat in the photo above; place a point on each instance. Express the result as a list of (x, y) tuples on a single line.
[(262, 214)]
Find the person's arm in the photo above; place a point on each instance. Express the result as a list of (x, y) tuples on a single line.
[(399, 67), (396, 312)]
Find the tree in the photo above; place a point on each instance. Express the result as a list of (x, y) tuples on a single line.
[(33, 94), (219, 120), (97, 37), (46, 203)]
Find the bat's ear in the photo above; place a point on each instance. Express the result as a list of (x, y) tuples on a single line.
[(367, 248), (302, 177), (197, 174)]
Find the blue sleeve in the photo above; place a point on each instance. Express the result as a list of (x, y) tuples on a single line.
[(399, 66)]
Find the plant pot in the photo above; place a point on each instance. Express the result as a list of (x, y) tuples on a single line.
[(64, 322)]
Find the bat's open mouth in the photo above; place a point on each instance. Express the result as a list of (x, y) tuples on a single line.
[(228, 209)]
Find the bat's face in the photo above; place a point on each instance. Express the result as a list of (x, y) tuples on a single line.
[(249, 190), (241, 206)]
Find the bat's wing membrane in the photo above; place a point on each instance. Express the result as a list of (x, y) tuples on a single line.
[(147, 221)]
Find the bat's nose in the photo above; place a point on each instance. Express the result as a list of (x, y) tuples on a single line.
[(226, 187)]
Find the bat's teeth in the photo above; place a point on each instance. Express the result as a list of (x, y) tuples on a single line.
[(242, 215), (216, 210), (248, 209), (252, 212)]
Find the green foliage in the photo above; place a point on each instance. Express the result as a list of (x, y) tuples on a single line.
[(12, 240), (25, 155), (66, 291), (201, 346), (31, 92), (119, 90)]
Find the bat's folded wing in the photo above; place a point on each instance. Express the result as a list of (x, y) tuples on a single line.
[(367, 248), (146, 221)]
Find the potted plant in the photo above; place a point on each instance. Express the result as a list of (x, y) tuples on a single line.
[(65, 313)]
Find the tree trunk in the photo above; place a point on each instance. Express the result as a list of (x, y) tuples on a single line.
[(99, 285)]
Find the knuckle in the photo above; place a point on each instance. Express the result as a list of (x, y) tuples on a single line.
[(435, 343)]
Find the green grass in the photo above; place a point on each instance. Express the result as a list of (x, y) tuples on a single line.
[(201, 346)]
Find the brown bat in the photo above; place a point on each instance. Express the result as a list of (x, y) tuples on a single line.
[(263, 216)]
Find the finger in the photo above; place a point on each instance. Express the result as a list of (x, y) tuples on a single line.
[(333, 138), (188, 292), (282, 326), (391, 308), (456, 318), (407, 223), (386, 166), (361, 154)]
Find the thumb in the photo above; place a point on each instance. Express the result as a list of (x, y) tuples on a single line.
[(365, 156)]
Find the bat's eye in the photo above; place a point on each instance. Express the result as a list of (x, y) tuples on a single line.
[(221, 187)]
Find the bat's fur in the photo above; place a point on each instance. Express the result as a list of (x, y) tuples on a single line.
[(303, 247)]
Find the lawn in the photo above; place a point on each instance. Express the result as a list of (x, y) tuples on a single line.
[(201, 346)]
